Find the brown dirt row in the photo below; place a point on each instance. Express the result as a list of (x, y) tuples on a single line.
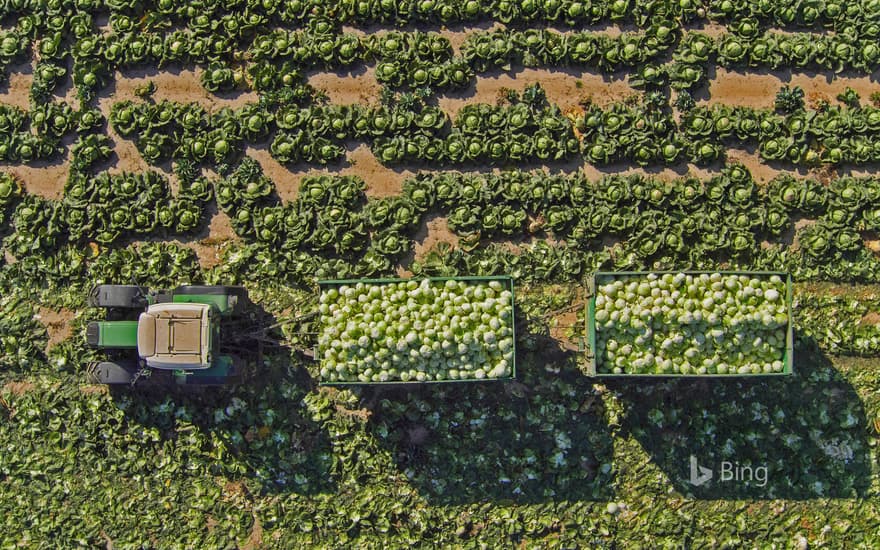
[(432, 232), (758, 90), (41, 178), (172, 84), (713, 30), (218, 236), (17, 91), (861, 292), (567, 89), (381, 181), (16, 388), (458, 34), (358, 87)]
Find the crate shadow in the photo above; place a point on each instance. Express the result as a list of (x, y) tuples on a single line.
[(538, 439), (808, 432)]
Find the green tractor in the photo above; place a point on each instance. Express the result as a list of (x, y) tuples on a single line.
[(177, 333)]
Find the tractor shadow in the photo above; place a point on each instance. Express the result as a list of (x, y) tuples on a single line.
[(807, 430), (540, 438), (258, 432)]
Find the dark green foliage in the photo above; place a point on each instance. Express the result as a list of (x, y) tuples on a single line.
[(788, 100)]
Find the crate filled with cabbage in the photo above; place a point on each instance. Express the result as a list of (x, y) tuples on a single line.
[(385, 331), (690, 324)]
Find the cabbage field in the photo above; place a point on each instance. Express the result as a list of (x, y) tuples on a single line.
[(275, 144)]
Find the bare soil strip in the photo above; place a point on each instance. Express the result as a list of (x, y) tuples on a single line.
[(58, 324), (43, 179), (381, 181), (359, 86), (758, 90), (17, 91), (432, 232), (565, 88), (210, 242), (172, 84)]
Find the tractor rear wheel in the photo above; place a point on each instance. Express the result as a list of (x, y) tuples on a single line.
[(123, 296), (239, 291), (237, 294)]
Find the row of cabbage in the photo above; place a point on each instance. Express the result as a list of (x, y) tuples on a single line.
[(240, 16), (727, 218), (101, 208), (645, 135), (525, 129), (271, 58), (570, 207), (663, 55), (36, 134), (532, 130), (251, 49), (689, 222)]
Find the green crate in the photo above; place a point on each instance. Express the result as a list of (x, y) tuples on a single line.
[(592, 367), (505, 278)]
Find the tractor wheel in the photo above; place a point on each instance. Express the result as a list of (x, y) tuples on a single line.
[(122, 296), (239, 293), (212, 289), (115, 373)]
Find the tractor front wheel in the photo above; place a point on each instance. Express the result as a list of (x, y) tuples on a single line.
[(110, 372)]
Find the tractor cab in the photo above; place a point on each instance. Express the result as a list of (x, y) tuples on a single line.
[(177, 336)]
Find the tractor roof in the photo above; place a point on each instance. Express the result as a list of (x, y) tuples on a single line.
[(175, 336)]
